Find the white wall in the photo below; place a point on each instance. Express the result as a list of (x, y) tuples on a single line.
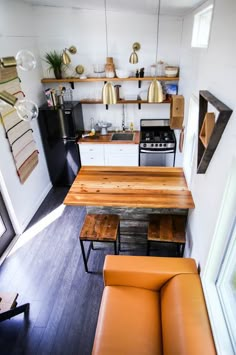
[(59, 28), (211, 69), (17, 31)]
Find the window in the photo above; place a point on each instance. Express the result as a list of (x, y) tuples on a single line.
[(201, 27), (219, 275), (226, 287)]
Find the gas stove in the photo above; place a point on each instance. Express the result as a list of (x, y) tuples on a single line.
[(156, 134)]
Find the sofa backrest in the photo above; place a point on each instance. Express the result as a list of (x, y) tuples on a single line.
[(185, 325)]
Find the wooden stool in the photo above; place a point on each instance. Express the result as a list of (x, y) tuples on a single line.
[(8, 306), (104, 228), (167, 229)]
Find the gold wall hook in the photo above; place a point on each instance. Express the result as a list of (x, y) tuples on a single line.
[(136, 46), (79, 69), (72, 50)]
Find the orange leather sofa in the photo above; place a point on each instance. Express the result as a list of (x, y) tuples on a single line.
[(152, 305)]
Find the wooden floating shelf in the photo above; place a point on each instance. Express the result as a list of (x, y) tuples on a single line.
[(123, 102), (94, 79)]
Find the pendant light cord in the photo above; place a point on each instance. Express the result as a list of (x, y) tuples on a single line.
[(105, 5), (158, 27)]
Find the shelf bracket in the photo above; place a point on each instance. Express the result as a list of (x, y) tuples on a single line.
[(139, 84), (72, 84)]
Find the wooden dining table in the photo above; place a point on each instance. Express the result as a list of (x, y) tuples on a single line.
[(133, 193), (130, 187)]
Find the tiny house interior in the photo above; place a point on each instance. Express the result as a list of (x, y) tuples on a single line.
[(198, 38)]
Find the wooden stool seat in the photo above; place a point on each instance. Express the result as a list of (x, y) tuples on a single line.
[(167, 229), (101, 228), (8, 306)]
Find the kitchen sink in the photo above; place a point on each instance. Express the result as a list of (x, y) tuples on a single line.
[(122, 136)]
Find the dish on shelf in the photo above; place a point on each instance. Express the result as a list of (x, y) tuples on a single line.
[(122, 73), (171, 71)]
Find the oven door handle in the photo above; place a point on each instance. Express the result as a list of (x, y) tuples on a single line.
[(156, 151)]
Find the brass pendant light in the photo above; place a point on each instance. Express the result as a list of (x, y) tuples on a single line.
[(65, 56), (133, 59), (108, 94), (155, 91), (108, 90)]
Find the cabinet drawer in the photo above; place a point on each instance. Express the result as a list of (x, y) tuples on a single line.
[(121, 155), (91, 148), (92, 154), (122, 148), (91, 159)]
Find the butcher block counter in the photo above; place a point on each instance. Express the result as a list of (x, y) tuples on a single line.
[(106, 139), (131, 187)]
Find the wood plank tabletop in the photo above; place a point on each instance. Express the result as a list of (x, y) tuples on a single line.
[(136, 187)]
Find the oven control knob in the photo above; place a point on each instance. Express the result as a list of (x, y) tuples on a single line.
[(144, 145), (165, 144), (151, 144), (156, 145), (160, 144)]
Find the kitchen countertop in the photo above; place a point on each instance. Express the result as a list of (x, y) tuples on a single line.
[(134, 187), (106, 139)]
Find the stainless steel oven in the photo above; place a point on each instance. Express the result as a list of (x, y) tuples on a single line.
[(157, 143)]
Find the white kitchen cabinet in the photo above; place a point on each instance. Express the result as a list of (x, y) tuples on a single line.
[(109, 154), (92, 154), (121, 154)]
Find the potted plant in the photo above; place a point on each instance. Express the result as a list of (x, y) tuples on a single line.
[(54, 59)]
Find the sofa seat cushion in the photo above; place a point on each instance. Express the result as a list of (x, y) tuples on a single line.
[(185, 325), (129, 322)]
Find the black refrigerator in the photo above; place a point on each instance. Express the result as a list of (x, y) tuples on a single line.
[(60, 129)]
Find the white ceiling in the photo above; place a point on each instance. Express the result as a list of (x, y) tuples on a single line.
[(168, 7)]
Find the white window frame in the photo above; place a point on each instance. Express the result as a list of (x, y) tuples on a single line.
[(224, 287), (198, 24), (220, 243)]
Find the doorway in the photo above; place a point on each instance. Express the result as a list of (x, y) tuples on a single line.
[(7, 232)]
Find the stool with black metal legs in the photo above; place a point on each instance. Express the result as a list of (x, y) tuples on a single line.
[(99, 228), (9, 308), (166, 228)]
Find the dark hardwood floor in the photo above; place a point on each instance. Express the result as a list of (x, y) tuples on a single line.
[(46, 269)]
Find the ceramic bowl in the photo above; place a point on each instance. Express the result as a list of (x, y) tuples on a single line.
[(171, 71), (122, 73)]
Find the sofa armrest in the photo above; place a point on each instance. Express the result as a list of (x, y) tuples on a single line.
[(144, 271)]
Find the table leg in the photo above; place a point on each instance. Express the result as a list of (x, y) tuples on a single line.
[(84, 256)]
